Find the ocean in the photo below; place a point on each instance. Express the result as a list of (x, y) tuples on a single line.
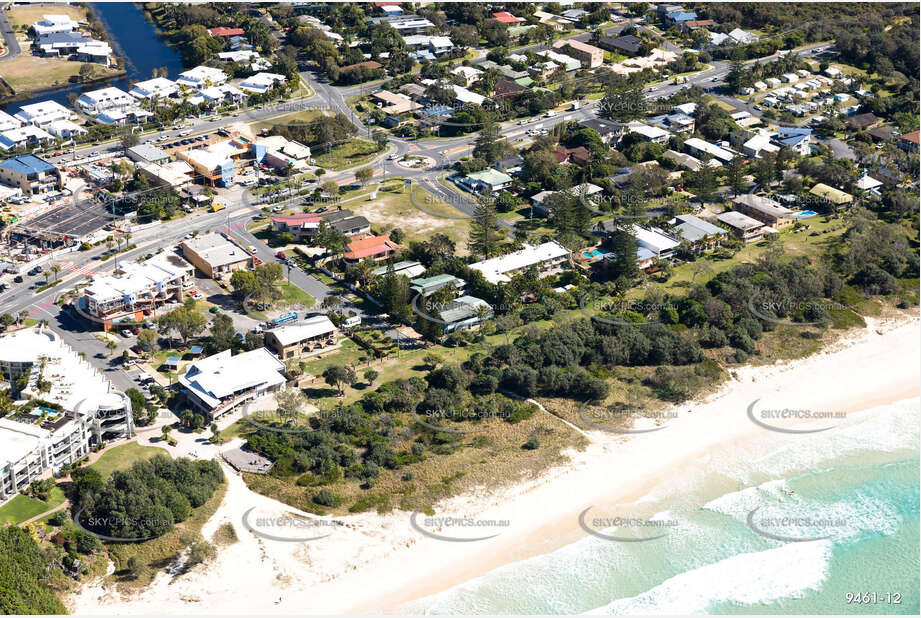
[(793, 524)]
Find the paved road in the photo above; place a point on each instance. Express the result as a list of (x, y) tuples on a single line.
[(9, 37)]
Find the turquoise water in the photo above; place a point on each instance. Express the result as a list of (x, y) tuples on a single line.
[(803, 214), (860, 481)]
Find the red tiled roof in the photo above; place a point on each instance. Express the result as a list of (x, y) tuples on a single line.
[(506, 18), (911, 137), (221, 31), (370, 246)]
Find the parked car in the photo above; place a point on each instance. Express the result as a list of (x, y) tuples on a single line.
[(125, 333)]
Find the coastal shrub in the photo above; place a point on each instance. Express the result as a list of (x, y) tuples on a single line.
[(325, 498), (147, 499), (24, 574), (532, 444)]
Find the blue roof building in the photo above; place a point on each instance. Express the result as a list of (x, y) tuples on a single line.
[(29, 173), (681, 16)]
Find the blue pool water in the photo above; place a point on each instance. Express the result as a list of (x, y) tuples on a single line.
[(804, 214), (592, 253)]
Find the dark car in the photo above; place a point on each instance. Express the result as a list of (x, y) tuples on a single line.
[(17, 279)]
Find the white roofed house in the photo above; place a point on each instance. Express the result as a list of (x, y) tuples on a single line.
[(8, 122), (44, 113), (201, 77), (651, 134), (23, 136), (661, 245), (698, 147), (156, 88), (545, 258), (94, 51), (260, 83), (218, 384), (440, 45), (302, 338), (104, 100), (469, 74), (51, 24), (65, 129)]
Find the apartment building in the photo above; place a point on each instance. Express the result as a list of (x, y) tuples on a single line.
[(590, 56), (136, 288), (80, 408)]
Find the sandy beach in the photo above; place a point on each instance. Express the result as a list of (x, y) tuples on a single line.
[(370, 563)]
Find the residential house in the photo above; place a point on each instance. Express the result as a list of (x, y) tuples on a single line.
[(743, 226), (468, 74), (698, 147), (661, 245), (586, 190), (44, 113), (702, 235), (628, 45), (24, 136), (798, 139), (377, 248), (309, 336), (610, 132), (486, 181), (201, 77), (50, 24), (105, 100), (156, 88), (463, 313), (676, 123), (909, 142), (568, 63), (763, 209), (408, 268), (505, 17), (260, 83), (651, 134), (589, 56), (426, 286), (835, 196), (544, 258)]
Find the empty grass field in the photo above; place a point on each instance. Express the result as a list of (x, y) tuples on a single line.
[(123, 457)]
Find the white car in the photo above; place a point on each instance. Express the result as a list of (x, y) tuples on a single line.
[(521, 122)]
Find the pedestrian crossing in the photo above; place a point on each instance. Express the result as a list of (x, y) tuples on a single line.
[(86, 269)]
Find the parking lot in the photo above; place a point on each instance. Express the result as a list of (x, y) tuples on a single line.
[(75, 218)]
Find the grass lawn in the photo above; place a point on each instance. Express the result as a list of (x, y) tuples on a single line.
[(350, 154), (29, 73), (28, 15), (123, 456), (293, 119), (22, 508), (293, 295), (396, 207)]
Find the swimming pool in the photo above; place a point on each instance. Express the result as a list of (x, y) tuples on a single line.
[(593, 253), (804, 214)]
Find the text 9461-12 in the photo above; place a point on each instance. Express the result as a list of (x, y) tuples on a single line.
[(873, 598)]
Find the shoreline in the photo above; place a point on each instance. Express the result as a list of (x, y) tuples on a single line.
[(367, 568)]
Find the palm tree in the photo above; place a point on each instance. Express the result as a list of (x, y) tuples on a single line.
[(111, 346)]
